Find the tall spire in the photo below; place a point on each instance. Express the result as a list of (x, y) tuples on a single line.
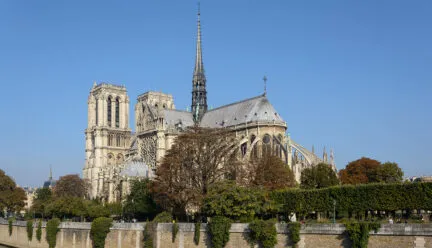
[(199, 93), (50, 175)]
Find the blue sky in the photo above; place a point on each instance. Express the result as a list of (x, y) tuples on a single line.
[(354, 76)]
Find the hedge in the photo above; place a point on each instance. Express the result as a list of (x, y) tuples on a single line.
[(356, 198)]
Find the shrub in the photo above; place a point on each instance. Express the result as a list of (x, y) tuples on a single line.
[(39, 231), (197, 233), (147, 235), (10, 221), (219, 231), (175, 229), (263, 232), (164, 217), (99, 230), (294, 232), (358, 232), (51, 232), (30, 230)]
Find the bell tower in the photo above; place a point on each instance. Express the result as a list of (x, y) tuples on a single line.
[(107, 134)]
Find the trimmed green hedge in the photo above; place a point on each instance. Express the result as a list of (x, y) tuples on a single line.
[(51, 232), (356, 198), (218, 229), (30, 230)]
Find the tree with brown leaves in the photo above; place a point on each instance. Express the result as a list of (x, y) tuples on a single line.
[(70, 186), (11, 197), (199, 158), (361, 171), (270, 172)]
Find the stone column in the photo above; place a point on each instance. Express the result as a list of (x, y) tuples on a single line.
[(100, 111), (127, 113)]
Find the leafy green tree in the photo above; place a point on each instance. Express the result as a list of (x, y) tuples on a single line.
[(67, 207), (43, 197), (235, 202), (51, 232), (139, 203), (94, 209), (100, 228), (11, 197), (390, 173), (319, 176)]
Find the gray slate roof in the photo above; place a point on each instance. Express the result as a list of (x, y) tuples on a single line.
[(250, 110), (173, 117)]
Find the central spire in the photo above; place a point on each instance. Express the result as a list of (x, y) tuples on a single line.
[(199, 93)]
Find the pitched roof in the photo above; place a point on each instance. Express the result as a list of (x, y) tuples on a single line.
[(250, 110), (173, 117)]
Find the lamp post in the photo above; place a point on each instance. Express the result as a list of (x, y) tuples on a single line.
[(334, 211)]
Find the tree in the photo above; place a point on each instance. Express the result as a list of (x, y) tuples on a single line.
[(235, 202), (43, 197), (363, 170), (70, 186), (139, 203), (390, 173), (199, 158), (11, 197), (319, 176), (271, 173), (67, 207)]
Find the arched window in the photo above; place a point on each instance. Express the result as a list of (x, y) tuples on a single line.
[(118, 140), (254, 152), (109, 110), (117, 112)]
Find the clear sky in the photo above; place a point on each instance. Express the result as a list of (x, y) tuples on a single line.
[(354, 76)]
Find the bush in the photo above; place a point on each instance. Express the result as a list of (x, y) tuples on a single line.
[(147, 235), (10, 227), (294, 232), (99, 230), (51, 232), (30, 230), (197, 233), (218, 229), (358, 232), (164, 217), (263, 232), (39, 231), (175, 229)]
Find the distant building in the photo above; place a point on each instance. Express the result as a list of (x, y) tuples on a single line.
[(30, 194), (50, 183)]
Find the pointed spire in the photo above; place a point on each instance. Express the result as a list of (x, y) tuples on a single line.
[(199, 92), (313, 149), (325, 155), (50, 175), (332, 162)]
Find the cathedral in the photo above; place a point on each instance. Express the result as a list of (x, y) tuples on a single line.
[(115, 155)]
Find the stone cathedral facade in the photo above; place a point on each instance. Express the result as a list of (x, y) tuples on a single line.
[(115, 155)]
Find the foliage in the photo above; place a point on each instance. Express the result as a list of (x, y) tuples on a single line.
[(235, 202), (390, 173), (66, 207), (366, 170), (51, 232), (100, 227), (11, 197), (93, 210), (114, 208), (164, 217), (199, 158), (147, 235), (175, 229), (355, 198), (39, 231), (271, 173), (197, 232), (70, 186), (263, 232), (294, 232), (358, 232), (30, 230), (43, 197), (320, 176), (218, 229), (139, 203), (10, 226)]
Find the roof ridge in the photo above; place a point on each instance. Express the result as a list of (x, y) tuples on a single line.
[(178, 110), (234, 103)]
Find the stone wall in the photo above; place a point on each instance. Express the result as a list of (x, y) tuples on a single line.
[(129, 235)]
